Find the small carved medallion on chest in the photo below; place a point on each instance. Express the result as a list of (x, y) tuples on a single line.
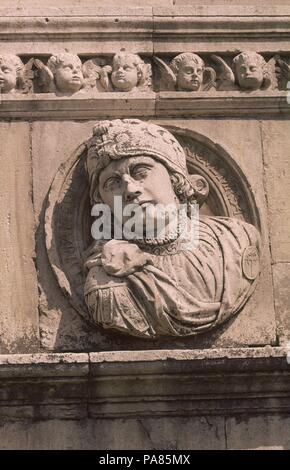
[(251, 263)]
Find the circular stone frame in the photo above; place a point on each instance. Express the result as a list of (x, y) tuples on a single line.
[(68, 220)]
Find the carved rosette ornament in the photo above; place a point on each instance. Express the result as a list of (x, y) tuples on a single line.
[(156, 287)]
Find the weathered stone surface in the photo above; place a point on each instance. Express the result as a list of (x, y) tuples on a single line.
[(259, 432), (206, 399), (113, 104), (276, 154), (164, 434), (281, 278), (18, 283)]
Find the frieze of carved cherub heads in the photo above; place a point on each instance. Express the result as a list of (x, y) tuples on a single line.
[(66, 74), (128, 73), (186, 72), (15, 77), (249, 71)]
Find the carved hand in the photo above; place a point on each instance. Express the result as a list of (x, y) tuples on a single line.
[(121, 258)]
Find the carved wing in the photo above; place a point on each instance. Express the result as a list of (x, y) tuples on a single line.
[(146, 79), (95, 71), (26, 77), (168, 78), (209, 79), (283, 72), (104, 77), (270, 77), (226, 77), (44, 76)]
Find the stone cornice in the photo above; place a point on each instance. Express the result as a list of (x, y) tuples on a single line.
[(179, 29), (174, 104), (123, 384)]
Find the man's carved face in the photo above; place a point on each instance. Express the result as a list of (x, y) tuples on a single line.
[(8, 77), (125, 73), (139, 180), (190, 76), (250, 75), (69, 76)]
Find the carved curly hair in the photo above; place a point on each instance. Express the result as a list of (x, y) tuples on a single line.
[(249, 55), (58, 59), (13, 60), (175, 64), (137, 62)]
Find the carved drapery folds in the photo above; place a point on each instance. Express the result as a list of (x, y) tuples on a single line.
[(66, 74)]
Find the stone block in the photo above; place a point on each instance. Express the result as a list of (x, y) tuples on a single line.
[(119, 434), (268, 432), (18, 282), (281, 279), (276, 154)]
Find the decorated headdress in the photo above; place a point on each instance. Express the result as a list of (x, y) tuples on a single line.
[(120, 138)]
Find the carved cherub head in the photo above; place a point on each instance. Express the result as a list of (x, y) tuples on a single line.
[(188, 69), (11, 67), (250, 70), (67, 71), (129, 72)]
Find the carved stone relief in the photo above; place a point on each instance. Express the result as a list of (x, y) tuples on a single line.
[(154, 289), (186, 72), (65, 74), (15, 77)]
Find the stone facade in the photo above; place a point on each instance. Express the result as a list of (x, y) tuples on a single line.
[(215, 78)]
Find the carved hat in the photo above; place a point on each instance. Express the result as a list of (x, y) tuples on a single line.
[(119, 138)]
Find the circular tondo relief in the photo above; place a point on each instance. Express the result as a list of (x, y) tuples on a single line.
[(68, 221)]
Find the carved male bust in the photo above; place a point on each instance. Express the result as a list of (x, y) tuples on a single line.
[(163, 285)]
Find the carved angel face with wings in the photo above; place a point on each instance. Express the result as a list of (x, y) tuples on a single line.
[(188, 69), (126, 71), (186, 72), (10, 69), (67, 70), (250, 70)]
